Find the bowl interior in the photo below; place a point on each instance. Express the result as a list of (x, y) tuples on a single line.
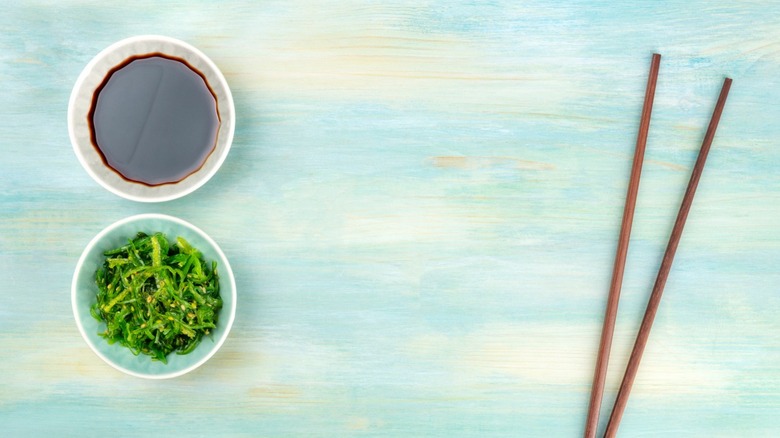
[(84, 296), (81, 102)]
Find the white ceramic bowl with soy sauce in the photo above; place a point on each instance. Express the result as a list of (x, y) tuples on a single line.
[(151, 118)]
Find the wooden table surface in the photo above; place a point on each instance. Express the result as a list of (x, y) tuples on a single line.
[(421, 207)]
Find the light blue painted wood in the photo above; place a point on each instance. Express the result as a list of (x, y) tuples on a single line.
[(421, 208)]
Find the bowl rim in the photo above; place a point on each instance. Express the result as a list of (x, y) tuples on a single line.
[(202, 178), (225, 270)]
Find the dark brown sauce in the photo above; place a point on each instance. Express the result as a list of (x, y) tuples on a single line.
[(154, 119)]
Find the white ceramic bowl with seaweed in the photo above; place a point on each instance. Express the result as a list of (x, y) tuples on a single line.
[(84, 295)]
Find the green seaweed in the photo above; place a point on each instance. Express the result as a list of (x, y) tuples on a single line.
[(156, 298)]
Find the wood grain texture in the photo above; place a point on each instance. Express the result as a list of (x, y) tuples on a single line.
[(421, 208)]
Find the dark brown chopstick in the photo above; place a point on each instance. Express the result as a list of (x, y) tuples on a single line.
[(597, 389), (666, 266)]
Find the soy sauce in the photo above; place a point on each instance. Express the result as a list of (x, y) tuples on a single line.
[(154, 119)]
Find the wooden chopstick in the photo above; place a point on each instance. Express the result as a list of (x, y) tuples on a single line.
[(597, 389), (666, 266)]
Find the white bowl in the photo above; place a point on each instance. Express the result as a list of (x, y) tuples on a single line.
[(81, 101), (84, 295)]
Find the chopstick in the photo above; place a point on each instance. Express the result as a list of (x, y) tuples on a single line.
[(666, 266), (597, 389)]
